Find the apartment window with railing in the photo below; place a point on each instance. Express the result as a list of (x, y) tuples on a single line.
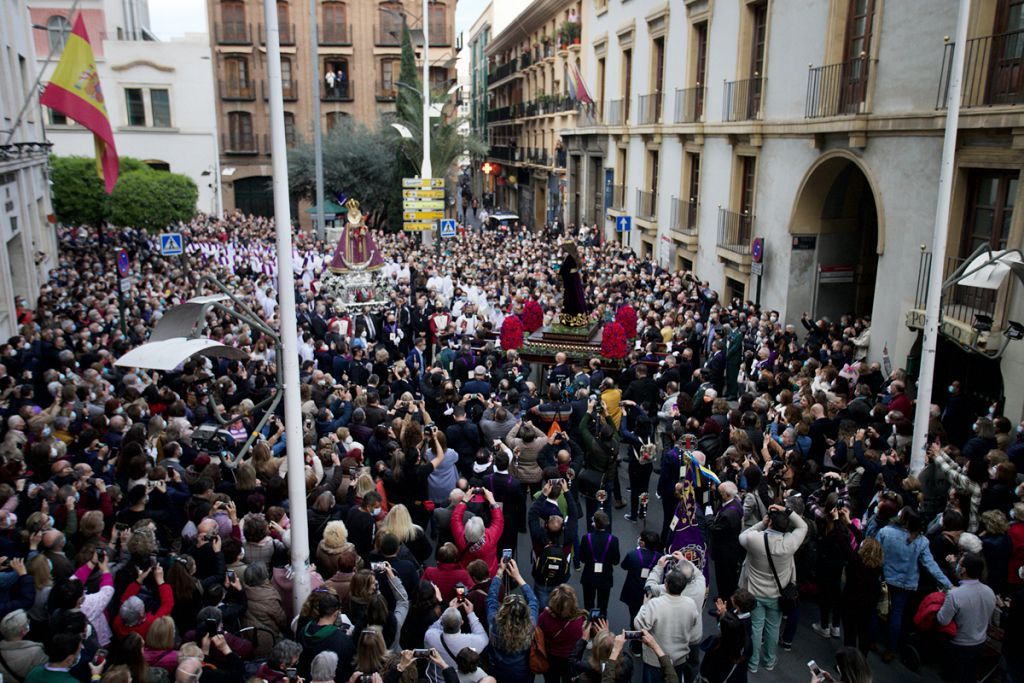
[(748, 173), (627, 82), (438, 23), (389, 18), (334, 26), (388, 76), (236, 69), (759, 32), (240, 137), (232, 17)]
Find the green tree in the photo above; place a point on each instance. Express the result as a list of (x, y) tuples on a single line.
[(357, 163), (152, 199), (78, 195)]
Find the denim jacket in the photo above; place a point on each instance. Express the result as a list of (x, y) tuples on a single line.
[(903, 559)]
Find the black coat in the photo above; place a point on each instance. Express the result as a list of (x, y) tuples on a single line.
[(598, 547)]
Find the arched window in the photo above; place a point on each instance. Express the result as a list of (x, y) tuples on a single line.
[(438, 26), (390, 20), (335, 119), (334, 27), (232, 16), (283, 25), (240, 137), (58, 28)]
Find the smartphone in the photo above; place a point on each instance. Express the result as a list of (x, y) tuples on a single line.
[(506, 554), (152, 560), (378, 567), (595, 614), (100, 657), (460, 590), (231, 575), (633, 635), (291, 672), (815, 669), (120, 526), (101, 554), (421, 653)]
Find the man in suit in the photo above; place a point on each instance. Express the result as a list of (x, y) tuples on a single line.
[(724, 534), (403, 316), (416, 358), (716, 366), (364, 323)]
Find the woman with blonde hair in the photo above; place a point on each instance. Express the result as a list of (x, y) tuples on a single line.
[(399, 522), (512, 623), (267, 466), (605, 649), (562, 623), (41, 572), (160, 650)]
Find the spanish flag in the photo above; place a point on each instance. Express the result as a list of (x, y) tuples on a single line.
[(74, 91)]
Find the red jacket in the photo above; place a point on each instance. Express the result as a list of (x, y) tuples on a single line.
[(487, 548), (925, 619), (166, 605), (445, 576)]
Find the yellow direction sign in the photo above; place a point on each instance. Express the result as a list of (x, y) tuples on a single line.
[(423, 183), (422, 215), (422, 204), (422, 194), (410, 227)]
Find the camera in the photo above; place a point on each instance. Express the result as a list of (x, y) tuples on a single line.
[(633, 635), (421, 653), (429, 429), (378, 567)]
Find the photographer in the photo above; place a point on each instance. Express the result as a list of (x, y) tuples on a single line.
[(132, 616), (600, 459), (472, 539), (446, 635)]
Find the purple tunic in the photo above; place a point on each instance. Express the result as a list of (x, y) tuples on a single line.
[(574, 298), (356, 251)]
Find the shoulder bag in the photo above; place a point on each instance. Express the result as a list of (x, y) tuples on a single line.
[(789, 596)]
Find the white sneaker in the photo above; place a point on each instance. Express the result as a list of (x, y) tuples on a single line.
[(836, 633), (821, 631)]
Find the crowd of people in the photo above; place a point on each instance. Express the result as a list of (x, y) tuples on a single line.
[(135, 548)]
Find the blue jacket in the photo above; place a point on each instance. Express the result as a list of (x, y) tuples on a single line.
[(509, 667), (903, 559)]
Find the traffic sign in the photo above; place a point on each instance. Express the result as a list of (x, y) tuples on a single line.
[(417, 226), (757, 250), (423, 183), (422, 215), (422, 194), (623, 224), (171, 244), (448, 227), (757, 268), (422, 204), (123, 265), (126, 285)]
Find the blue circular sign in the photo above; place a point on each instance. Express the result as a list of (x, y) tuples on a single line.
[(123, 267)]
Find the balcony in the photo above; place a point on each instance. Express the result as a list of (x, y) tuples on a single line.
[(387, 36), (341, 91), (690, 105), (648, 109), (615, 113), (960, 304), (837, 89), (505, 113), (743, 100), (618, 197), (538, 157), (335, 34), (504, 71), (290, 90), (236, 91), (993, 72), (507, 153), (684, 215), (588, 116), (232, 33), (646, 205), (525, 61), (735, 231), (386, 92), (285, 31), (242, 144)]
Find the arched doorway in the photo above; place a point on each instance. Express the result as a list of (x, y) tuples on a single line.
[(838, 235)]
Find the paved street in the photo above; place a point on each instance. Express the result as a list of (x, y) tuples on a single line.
[(792, 665)]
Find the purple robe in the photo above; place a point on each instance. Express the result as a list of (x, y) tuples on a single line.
[(684, 534), (356, 252), (574, 298)]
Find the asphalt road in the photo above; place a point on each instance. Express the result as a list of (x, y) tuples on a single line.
[(792, 666)]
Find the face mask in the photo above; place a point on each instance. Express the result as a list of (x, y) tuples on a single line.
[(951, 388), (375, 511), (563, 469), (46, 432), (992, 472)]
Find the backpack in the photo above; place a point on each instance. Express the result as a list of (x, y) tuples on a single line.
[(710, 445), (551, 566)]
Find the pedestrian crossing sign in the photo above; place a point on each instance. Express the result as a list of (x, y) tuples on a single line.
[(448, 227), (171, 244)]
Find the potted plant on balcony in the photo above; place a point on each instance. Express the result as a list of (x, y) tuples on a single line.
[(570, 34)]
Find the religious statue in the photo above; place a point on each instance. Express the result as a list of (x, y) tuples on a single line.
[(575, 311), (356, 250)]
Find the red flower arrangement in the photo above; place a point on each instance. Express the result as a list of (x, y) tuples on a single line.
[(533, 316), (613, 341), (626, 316), (511, 333)]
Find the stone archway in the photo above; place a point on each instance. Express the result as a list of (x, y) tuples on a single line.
[(840, 218)]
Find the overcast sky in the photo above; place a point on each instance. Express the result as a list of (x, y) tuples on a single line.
[(172, 18)]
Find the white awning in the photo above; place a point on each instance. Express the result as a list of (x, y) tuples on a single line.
[(989, 276), (167, 354)]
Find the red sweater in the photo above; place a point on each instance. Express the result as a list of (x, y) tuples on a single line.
[(445, 575), (560, 635), (166, 605), (487, 548)]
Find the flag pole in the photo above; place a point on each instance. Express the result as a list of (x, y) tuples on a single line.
[(286, 301), (940, 234), (34, 90)]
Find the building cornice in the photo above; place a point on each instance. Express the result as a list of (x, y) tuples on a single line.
[(142, 62), (531, 18)]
